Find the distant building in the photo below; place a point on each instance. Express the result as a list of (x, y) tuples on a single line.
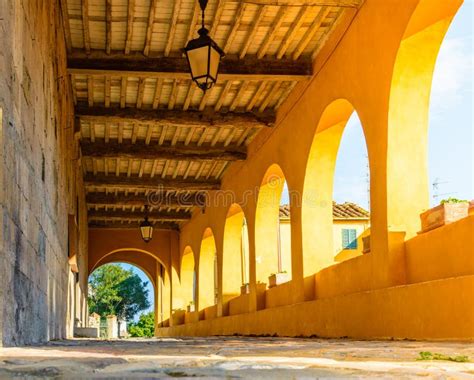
[(350, 223)]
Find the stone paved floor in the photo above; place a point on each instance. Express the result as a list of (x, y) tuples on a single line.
[(233, 357)]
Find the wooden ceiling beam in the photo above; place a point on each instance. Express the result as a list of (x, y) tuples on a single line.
[(172, 29), (253, 31), (155, 199), (231, 68), (149, 30), (152, 184), (319, 3), (127, 215), (323, 12), (141, 151), (135, 225), (85, 26), (176, 117), (130, 19), (108, 26)]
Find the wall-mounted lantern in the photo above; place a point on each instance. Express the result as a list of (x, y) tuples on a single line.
[(203, 56)]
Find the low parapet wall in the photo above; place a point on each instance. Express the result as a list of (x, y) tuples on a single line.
[(436, 301)]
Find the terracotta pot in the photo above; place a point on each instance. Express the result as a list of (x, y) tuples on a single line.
[(471, 208), (277, 279), (245, 289), (443, 214), (366, 244)]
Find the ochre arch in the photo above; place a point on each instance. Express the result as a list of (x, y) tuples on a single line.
[(267, 223), (235, 259), (207, 278), (407, 150), (151, 274), (316, 213), (188, 276), (128, 252)]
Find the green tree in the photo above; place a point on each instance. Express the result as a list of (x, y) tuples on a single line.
[(144, 327), (116, 291)]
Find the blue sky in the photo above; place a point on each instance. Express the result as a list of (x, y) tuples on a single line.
[(450, 156), (451, 137)]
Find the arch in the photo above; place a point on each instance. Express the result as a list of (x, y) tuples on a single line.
[(267, 227), (407, 150), (317, 200), (143, 266), (128, 254), (235, 260), (188, 276), (207, 287)]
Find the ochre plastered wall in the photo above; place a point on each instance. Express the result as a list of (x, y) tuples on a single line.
[(159, 259), (373, 69), (39, 296)]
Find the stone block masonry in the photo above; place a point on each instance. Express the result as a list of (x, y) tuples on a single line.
[(38, 190)]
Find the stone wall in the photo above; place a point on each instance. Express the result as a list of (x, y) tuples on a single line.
[(38, 174)]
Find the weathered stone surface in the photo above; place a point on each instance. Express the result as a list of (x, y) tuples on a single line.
[(234, 357), (37, 182)]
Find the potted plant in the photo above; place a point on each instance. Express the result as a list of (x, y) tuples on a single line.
[(277, 278), (448, 211), (366, 244), (245, 289), (191, 307)]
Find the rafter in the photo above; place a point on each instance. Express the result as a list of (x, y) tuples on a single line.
[(236, 24), (293, 30), (172, 30), (149, 30), (85, 25), (323, 12), (130, 15), (152, 184), (176, 117), (159, 152), (157, 199), (319, 3), (127, 215), (272, 32), (253, 31), (108, 26), (168, 226), (231, 68)]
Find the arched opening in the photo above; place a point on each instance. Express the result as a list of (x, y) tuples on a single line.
[(235, 264), (122, 300), (450, 115), (207, 288), (407, 150), (351, 193), (272, 247), (318, 230), (188, 279)]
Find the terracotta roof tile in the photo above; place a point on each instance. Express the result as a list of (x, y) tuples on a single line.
[(346, 210)]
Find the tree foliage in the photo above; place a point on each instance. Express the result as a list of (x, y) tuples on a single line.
[(145, 327), (114, 290)]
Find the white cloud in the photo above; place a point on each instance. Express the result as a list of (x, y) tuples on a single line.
[(452, 79)]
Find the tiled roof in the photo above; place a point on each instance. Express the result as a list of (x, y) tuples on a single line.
[(346, 210)]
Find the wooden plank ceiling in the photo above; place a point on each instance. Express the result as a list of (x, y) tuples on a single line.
[(145, 129)]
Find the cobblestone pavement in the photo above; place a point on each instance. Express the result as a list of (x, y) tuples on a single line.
[(234, 357)]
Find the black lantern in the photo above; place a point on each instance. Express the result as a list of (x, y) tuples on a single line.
[(146, 228), (203, 56)]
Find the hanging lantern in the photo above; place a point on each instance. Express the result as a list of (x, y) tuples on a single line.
[(203, 56), (146, 228)]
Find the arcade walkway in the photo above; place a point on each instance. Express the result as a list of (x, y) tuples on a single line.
[(233, 357)]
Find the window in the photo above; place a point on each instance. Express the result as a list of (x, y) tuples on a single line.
[(349, 238)]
